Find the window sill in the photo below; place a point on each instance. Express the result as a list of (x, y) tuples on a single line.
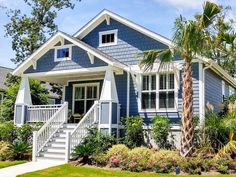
[(107, 45), (62, 59), (157, 110)]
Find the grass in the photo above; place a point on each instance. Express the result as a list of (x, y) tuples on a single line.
[(4, 164), (68, 170)]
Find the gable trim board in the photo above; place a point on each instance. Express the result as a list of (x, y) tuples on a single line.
[(53, 41), (103, 16)]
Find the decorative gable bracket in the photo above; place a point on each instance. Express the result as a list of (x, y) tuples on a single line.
[(108, 19), (34, 63), (91, 57)]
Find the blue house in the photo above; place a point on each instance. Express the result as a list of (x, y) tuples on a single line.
[(99, 69)]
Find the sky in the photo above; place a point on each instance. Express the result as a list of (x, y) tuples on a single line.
[(156, 15)]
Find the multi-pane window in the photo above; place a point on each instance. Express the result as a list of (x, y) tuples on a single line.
[(162, 89), (149, 92), (108, 38), (84, 97), (166, 91), (62, 53)]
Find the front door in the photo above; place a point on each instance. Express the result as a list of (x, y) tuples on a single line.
[(84, 96)]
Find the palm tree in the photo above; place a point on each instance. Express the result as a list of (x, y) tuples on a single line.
[(189, 40)]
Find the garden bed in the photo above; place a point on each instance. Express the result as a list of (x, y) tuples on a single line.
[(69, 170)]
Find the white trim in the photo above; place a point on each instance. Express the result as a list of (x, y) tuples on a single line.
[(102, 16), (101, 33), (157, 109), (85, 94), (223, 90), (128, 95), (50, 44), (56, 48), (201, 95)]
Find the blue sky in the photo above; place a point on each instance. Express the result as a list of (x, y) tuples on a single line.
[(156, 15)]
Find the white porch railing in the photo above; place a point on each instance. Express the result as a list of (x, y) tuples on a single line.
[(46, 132), (81, 130), (41, 113)]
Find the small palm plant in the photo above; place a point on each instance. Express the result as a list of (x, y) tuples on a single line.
[(190, 39)]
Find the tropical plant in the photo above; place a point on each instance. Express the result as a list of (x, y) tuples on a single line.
[(19, 149), (160, 131), (134, 136), (189, 39)]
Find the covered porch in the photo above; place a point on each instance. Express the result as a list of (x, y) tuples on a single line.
[(83, 89)]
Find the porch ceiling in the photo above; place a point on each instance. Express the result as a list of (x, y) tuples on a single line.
[(64, 79)]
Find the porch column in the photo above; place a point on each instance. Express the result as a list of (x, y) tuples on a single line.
[(22, 100), (109, 105)]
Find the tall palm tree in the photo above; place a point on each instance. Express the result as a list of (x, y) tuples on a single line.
[(189, 40)]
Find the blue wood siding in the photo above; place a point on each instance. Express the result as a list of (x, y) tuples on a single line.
[(79, 60), (121, 87), (130, 42), (213, 89)]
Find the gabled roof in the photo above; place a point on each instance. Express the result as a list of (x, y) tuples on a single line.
[(106, 14), (55, 39), (3, 75)]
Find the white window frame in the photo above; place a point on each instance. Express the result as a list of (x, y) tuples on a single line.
[(157, 109), (53, 100), (85, 93), (231, 91), (115, 32), (223, 91), (62, 47)]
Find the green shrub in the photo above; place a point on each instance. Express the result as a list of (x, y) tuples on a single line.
[(134, 136), (117, 154), (24, 133), (7, 131), (160, 131), (100, 159), (196, 165), (137, 159), (231, 99), (5, 153), (164, 161), (19, 149), (222, 165), (93, 144)]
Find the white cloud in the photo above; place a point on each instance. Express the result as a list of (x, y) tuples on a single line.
[(184, 4)]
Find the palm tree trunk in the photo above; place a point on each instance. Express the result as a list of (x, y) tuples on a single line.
[(187, 115)]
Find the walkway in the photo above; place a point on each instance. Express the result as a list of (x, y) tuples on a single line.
[(13, 171)]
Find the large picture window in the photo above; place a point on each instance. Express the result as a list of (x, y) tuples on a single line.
[(158, 91), (84, 97)]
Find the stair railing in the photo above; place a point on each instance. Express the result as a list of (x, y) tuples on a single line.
[(45, 133), (80, 131)]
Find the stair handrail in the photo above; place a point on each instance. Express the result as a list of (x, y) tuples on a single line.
[(45, 133), (80, 131)]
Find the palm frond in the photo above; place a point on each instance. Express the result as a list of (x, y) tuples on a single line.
[(152, 56), (210, 10)]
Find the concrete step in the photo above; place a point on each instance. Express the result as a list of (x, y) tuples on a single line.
[(45, 159), (69, 126), (57, 144), (59, 139), (56, 149), (58, 155)]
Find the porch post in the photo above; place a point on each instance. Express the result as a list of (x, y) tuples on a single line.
[(22, 100), (109, 105)]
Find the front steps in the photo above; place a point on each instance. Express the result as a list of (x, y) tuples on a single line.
[(55, 149)]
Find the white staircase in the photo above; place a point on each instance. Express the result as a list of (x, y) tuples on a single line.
[(55, 149), (56, 139)]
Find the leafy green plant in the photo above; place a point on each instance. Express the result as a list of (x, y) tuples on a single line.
[(24, 133), (7, 131), (134, 136), (5, 153), (231, 99), (84, 151), (160, 131), (19, 149)]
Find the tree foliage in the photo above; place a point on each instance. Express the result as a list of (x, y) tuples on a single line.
[(29, 32)]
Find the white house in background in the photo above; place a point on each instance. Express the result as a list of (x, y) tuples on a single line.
[(98, 67)]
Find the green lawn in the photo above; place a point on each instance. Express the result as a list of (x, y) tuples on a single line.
[(4, 164), (72, 171)]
